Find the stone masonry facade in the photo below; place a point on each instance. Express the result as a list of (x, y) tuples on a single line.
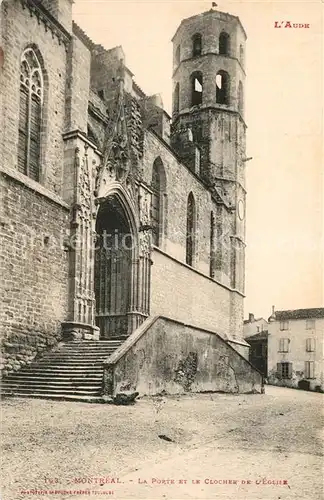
[(108, 157)]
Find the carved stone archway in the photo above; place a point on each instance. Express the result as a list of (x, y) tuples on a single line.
[(122, 267), (110, 178)]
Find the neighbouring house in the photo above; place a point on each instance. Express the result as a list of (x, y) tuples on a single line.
[(255, 332), (258, 355), (123, 232), (253, 325), (295, 348)]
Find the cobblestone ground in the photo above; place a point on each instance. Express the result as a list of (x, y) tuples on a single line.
[(210, 446)]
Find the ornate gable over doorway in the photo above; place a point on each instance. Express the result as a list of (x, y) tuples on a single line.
[(123, 144)]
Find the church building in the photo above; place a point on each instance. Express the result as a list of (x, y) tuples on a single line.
[(122, 228)]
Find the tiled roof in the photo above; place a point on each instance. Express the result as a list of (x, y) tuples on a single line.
[(316, 312)]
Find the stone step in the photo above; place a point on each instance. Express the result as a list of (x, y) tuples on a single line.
[(57, 397), (65, 370), (52, 380), (70, 362), (59, 369), (101, 352), (91, 344), (90, 350), (71, 370), (78, 355), (82, 352), (92, 390), (62, 376), (86, 349)]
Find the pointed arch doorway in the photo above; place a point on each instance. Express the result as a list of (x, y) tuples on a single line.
[(115, 255)]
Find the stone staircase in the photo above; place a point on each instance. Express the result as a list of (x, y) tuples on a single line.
[(71, 371)]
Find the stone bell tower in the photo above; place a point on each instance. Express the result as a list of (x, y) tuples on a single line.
[(208, 127)]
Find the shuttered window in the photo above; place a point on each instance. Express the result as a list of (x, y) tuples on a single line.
[(310, 344), (309, 369), (310, 324), (283, 345), (30, 115)]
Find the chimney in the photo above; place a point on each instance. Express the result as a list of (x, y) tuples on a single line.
[(251, 317), (273, 315)]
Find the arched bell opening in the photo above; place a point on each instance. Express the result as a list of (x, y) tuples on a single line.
[(114, 270)]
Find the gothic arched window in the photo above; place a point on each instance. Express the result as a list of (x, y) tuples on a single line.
[(158, 186), (222, 87), (191, 230), (196, 88), (176, 98), (30, 114), (196, 45), (224, 43)]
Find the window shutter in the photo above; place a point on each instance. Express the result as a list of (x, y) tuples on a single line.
[(312, 369), (23, 131), (34, 152), (286, 341), (310, 345), (279, 374), (289, 370)]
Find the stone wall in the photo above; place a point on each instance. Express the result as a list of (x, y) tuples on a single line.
[(173, 357), (34, 270), (180, 181), (61, 10), (186, 295)]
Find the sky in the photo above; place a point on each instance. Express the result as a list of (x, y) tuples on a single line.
[(284, 114)]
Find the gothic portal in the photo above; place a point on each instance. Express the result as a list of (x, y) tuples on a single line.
[(113, 269)]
